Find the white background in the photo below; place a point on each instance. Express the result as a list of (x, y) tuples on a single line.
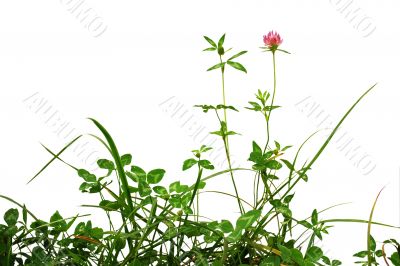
[(150, 51)]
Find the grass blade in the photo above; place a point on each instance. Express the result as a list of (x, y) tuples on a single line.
[(55, 157), (369, 228)]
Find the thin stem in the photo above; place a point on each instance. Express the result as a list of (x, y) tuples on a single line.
[(228, 157), (225, 138), (223, 88), (272, 101), (195, 190)]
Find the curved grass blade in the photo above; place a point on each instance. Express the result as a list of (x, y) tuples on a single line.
[(55, 157), (52, 153), (358, 221), (117, 160), (121, 174), (369, 228), (316, 156)]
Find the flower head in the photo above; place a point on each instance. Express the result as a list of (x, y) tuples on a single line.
[(272, 40)]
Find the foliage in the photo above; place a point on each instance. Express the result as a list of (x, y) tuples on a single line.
[(152, 222)]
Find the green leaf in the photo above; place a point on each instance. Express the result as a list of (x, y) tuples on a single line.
[(173, 187), (160, 190), (187, 210), (110, 205), (271, 260), (209, 49), (221, 106), (39, 256), (219, 65), (284, 210), (105, 164), (234, 236), (188, 164), (11, 217), (361, 254), (205, 107), (88, 177), (237, 66), (256, 154), (288, 164), (297, 256), (247, 219), (126, 159), (58, 222), (90, 187), (25, 214), (175, 201), (138, 172), (182, 188), (218, 133), (286, 254), (314, 217), (96, 233), (226, 226), (314, 254), (144, 189), (273, 164), (237, 55), (326, 260), (231, 133), (202, 185), (155, 176), (288, 198), (270, 108), (255, 106), (204, 148), (206, 164), (372, 243), (305, 224), (221, 41), (210, 41), (395, 259)]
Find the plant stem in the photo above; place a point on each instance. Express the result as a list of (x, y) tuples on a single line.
[(223, 88), (231, 173), (225, 138), (195, 190), (228, 157), (272, 101)]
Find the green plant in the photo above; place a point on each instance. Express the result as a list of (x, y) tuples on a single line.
[(155, 224)]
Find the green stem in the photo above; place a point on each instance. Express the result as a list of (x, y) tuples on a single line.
[(231, 174), (228, 157), (272, 101), (195, 190), (225, 138), (223, 88)]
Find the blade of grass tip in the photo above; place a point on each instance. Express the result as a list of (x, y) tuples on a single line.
[(361, 221), (329, 139), (54, 157), (52, 153), (322, 148), (369, 228), (297, 155), (117, 160), (102, 141)]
